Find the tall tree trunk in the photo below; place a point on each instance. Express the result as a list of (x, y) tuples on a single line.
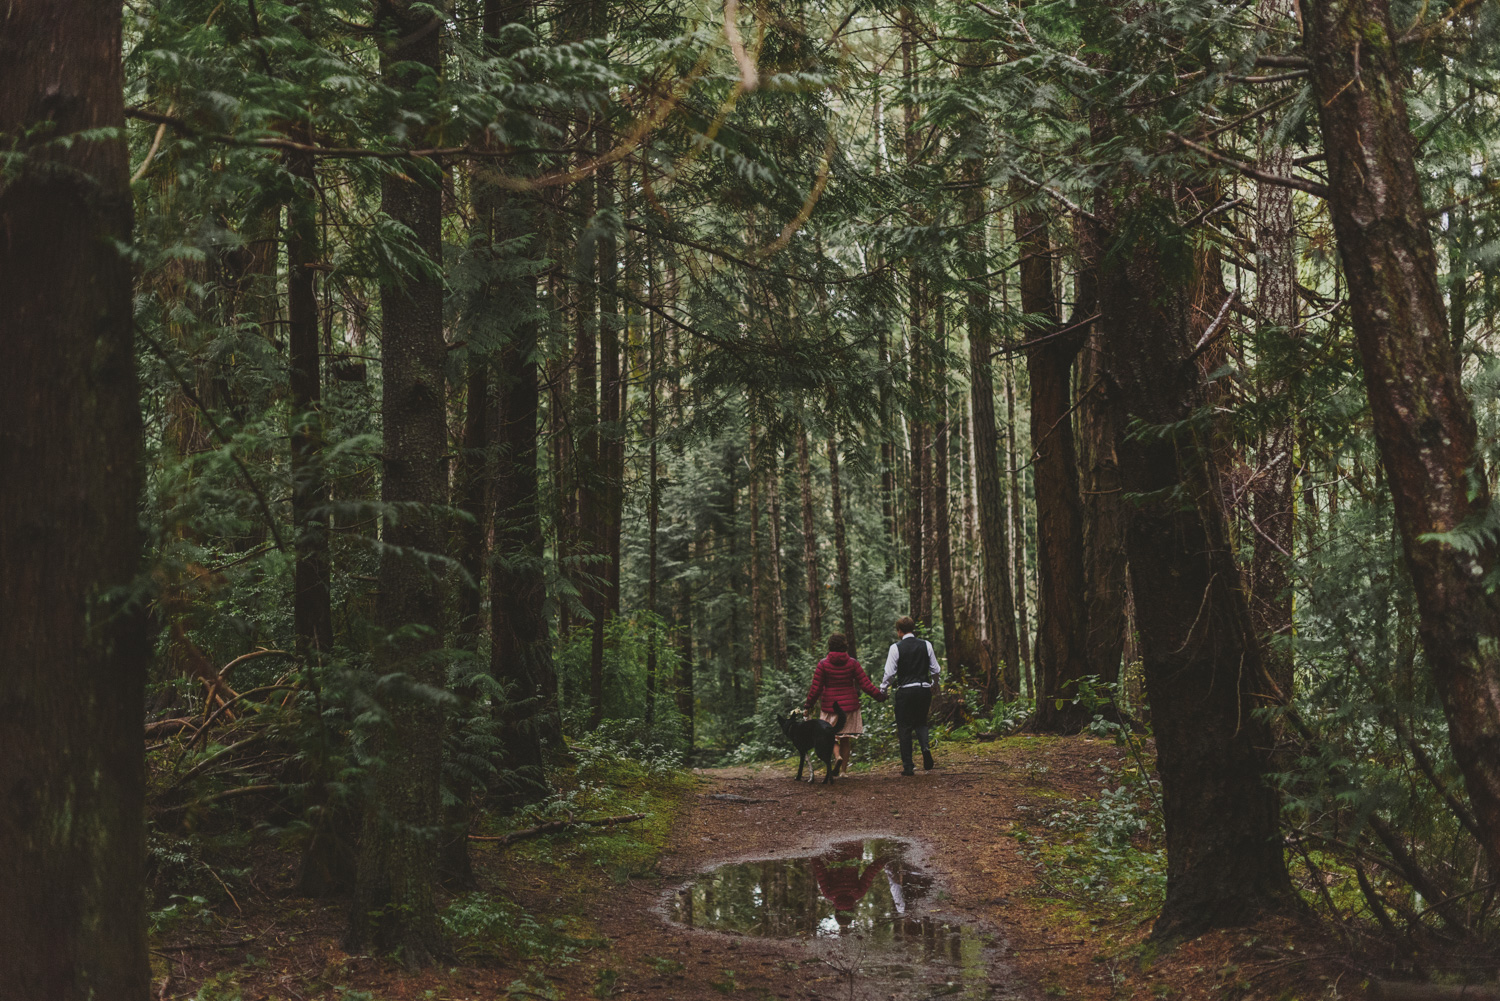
[(1424, 423), (393, 906), (778, 580), (685, 650), (1104, 505), (916, 570), (757, 571), (593, 585), (472, 478), (1018, 537), (841, 545), (312, 613), (1202, 661), (1062, 624), (929, 524), (960, 658), (992, 515), (1271, 492), (612, 397), (810, 546), (328, 861), (72, 844), (915, 564), (653, 485)]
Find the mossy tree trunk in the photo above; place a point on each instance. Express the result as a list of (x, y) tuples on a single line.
[(1202, 660), (1424, 422)]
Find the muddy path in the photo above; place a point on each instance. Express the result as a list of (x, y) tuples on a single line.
[(955, 938)]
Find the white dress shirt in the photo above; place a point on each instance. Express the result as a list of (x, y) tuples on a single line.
[(890, 663)]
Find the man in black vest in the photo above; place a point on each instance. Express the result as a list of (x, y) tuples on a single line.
[(911, 668)]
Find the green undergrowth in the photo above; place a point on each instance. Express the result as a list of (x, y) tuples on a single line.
[(602, 781), (1100, 857)]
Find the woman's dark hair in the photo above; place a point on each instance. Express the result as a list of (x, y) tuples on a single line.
[(838, 644), (906, 624)]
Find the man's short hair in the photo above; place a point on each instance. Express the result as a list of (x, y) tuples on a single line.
[(837, 643), (906, 624)]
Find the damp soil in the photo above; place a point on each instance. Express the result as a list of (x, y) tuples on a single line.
[(974, 921), (865, 908)]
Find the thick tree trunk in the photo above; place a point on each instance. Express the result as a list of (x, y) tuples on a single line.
[(312, 613), (1271, 492), (841, 545), (393, 906), (993, 516), (1062, 624), (810, 547), (1202, 661), (72, 843), (1424, 422)]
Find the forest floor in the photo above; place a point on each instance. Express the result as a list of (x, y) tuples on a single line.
[(583, 915)]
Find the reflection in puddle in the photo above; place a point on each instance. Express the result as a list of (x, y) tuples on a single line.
[(863, 905)]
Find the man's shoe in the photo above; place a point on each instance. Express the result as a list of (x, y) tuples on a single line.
[(908, 771), (927, 761)]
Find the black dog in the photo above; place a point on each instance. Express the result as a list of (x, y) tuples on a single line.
[(814, 735)]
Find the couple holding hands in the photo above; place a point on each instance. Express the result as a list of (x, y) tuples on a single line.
[(911, 670)]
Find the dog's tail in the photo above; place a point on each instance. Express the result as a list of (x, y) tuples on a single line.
[(839, 726)]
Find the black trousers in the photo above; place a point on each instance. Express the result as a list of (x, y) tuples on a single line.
[(911, 718)]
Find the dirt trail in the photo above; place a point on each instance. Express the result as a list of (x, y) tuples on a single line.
[(956, 814)]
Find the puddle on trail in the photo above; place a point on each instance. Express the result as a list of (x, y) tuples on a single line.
[(864, 908)]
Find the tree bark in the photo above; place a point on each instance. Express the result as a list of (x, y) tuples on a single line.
[(312, 613), (993, 515), (393, 907), (778, 580), (960, 658), (757, 572), (841, 545), (1062, 624), (1424, 422), (1202, 661), (1271, 492), (810, 546), (1018, 538), (72, 843), (653, 488), (1104, 508)]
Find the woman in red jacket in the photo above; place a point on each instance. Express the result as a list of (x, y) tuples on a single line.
[(838, 679)]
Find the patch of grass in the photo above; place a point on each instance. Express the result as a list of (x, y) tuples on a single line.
[(605, 785), (664, 966), (727, 984), (1104, 853)]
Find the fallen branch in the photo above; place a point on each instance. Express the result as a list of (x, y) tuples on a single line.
[(556, 825)]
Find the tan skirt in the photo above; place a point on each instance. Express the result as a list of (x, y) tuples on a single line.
[(854, 724)]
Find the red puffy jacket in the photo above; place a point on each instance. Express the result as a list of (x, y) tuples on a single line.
[(838, 679)]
